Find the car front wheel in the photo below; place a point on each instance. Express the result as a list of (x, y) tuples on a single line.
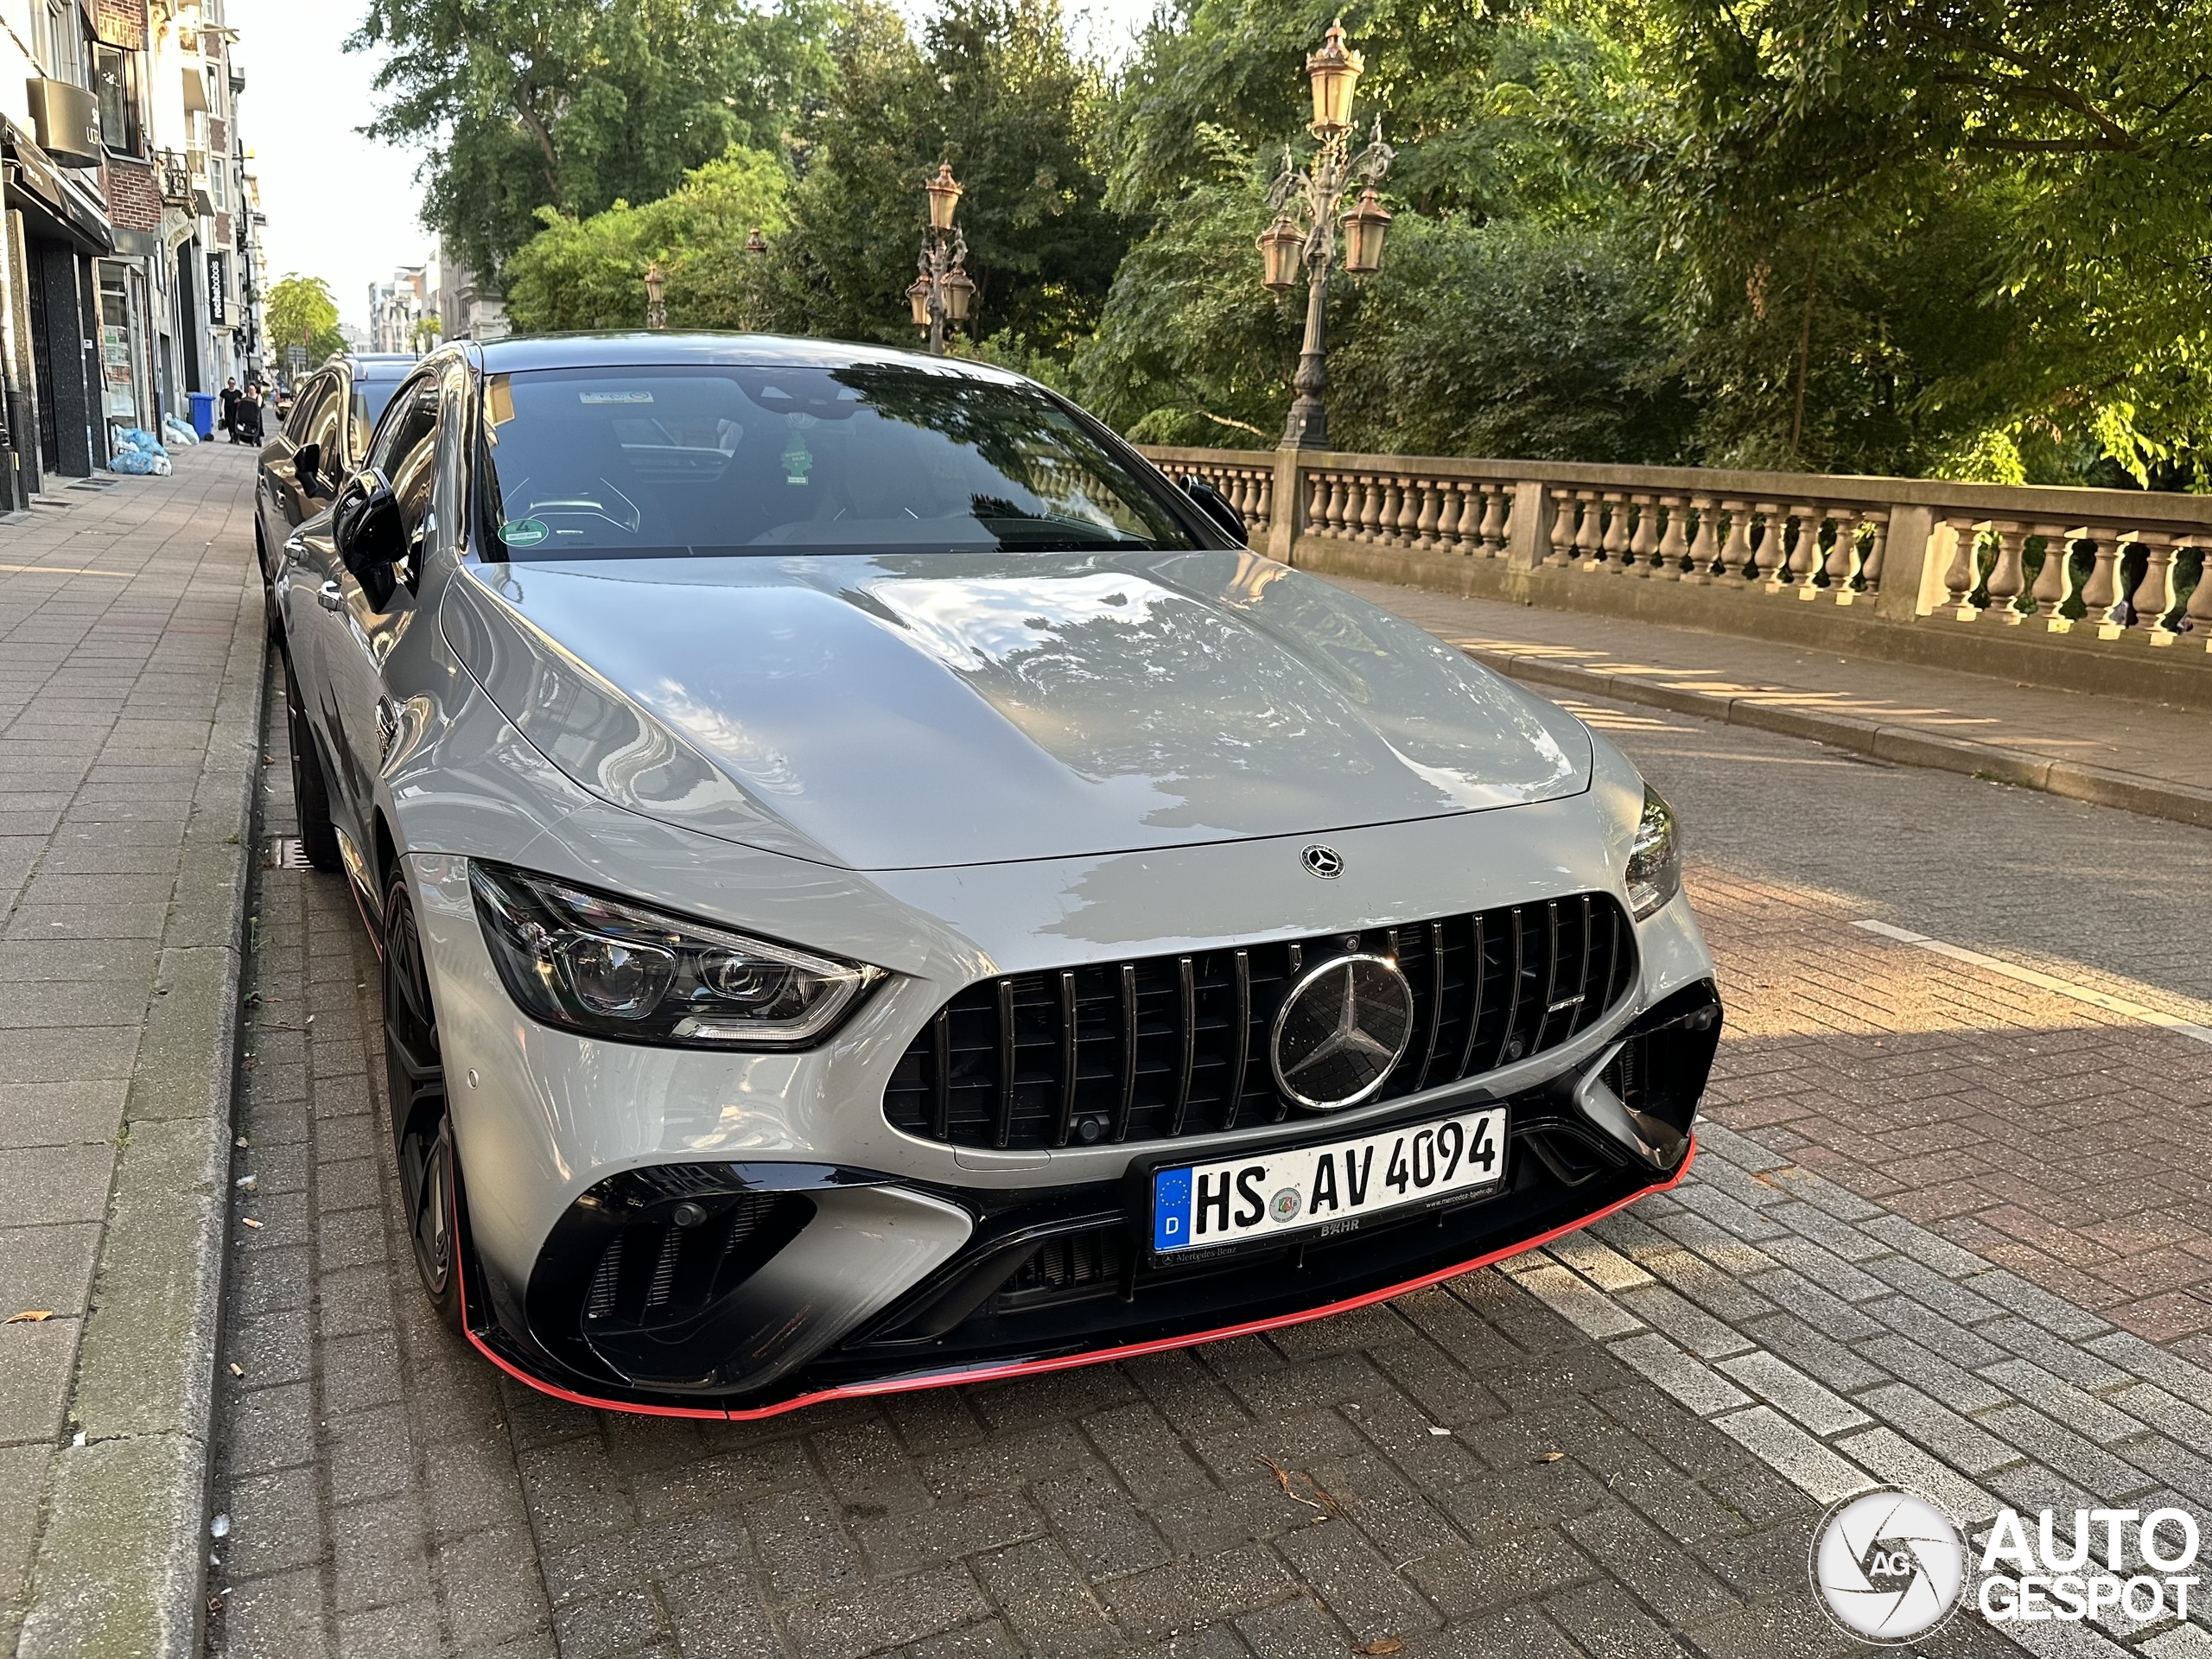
[(310, 792), (415, 1081)]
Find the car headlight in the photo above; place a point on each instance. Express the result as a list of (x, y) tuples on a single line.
[(584, 960), (1654, 859)]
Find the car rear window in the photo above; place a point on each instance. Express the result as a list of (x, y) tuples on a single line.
[(699, 460)]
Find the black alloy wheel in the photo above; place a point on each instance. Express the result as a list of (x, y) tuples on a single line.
[(414, 1080), (310, 793)]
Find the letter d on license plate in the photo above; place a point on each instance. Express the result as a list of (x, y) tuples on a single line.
[(1199, 1205)]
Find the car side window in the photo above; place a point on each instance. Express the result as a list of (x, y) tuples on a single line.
[(295, 423), (329, 409), (413, 471), (410, 418), (313, 395)]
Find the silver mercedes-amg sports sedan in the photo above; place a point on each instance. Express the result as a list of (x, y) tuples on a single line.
[(878, 886)]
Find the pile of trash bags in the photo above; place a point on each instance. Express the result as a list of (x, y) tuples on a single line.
[(136, 450), (177, 430)]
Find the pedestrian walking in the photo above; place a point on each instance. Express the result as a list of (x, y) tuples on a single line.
[(229, 402), (245, 416)]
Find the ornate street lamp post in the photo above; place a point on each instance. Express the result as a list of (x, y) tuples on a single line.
[(941, 294), (1305, 219), (656, 296)]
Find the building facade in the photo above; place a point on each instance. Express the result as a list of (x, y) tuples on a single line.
[(131, 264), (424, 305)]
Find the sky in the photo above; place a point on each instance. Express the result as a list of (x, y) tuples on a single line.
[(342, 206)]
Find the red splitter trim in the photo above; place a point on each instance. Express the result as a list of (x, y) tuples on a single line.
[(1065, 1362)]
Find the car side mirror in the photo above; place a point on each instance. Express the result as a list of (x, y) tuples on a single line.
[(365, 527), (306, 466), (1218, 507)]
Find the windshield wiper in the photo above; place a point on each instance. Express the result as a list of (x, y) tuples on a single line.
[(1058, 530)]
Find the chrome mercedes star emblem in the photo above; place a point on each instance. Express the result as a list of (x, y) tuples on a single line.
[(1324, 861), (1340, 1030)]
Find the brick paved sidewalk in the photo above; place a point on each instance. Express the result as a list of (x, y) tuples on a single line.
[(128, 687), (2140, 739)]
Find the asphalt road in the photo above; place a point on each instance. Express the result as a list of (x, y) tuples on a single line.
[(1947, 1230)]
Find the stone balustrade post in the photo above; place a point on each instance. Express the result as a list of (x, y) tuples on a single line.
[(1797, 572), (1843, 552), (1286, 525), (1674, 544), (2153, 596), (2200, 600), (1645, 542), (1529, 533), (1440, 516), (2008, 576), (1965, 574), (1770, 557), (1614, 543), (2057, 575)]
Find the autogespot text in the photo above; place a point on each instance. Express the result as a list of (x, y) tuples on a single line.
[(2144, 1570)]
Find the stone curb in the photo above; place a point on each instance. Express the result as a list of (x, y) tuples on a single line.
[(1907, 745), (121, 1569)]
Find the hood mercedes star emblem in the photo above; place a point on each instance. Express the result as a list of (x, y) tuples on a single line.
[(1324, 861), (1340, 1030)]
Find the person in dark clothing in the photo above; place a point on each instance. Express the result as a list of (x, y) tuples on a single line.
[(245, 415), (230, 404)]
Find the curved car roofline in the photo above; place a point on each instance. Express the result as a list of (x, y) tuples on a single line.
[(643, 349)]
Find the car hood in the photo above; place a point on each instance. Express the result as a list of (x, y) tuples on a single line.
[(899, 712)]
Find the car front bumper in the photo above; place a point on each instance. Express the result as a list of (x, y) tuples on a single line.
[(847, 1256)]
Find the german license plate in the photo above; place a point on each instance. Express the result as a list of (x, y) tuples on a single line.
[(1329, 1188)]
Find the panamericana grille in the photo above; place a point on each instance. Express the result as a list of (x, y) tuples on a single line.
[(1170, 1045)]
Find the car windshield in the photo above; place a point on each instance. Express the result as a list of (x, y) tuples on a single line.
[(707, 460)]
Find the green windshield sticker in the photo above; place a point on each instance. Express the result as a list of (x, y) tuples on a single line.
[(524, 532)]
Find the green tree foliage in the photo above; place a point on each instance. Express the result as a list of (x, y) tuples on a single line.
[(1516, 310), (575, 104), (300, 311), (1963, 236), (1970, 217), (590, 273), (993, 88)]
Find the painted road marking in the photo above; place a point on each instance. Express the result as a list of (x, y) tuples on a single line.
[(2065, 988)]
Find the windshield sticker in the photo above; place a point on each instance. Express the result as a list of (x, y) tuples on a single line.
[(524, 532), (614, 397)]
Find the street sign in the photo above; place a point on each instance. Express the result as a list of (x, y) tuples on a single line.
[(297, 357)]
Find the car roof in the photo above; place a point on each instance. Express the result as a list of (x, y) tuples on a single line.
[(639, 349), (373, 365)]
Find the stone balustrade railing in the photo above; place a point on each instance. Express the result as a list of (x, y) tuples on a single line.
[(2108, 568)]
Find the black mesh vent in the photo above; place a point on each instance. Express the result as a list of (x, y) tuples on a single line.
[(1170, 1046), (1072, 1264), (657, 1272)]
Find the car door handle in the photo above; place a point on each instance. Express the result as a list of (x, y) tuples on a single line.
[(330, 596)]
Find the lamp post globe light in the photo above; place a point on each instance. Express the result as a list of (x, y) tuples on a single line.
[(942, 293), (1304, 201)]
